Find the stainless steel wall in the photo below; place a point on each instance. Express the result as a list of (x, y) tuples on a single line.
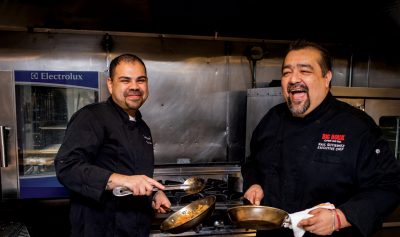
[(197, 103)]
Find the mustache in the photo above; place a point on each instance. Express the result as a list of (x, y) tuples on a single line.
[(133, 92), (296, 87)]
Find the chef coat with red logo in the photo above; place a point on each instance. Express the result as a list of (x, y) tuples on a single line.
[(101, 140), (334, 154)]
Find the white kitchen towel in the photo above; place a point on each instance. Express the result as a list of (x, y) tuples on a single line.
[(296, 217)]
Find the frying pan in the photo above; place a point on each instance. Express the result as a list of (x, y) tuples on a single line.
[(189, 216), (257, 217)]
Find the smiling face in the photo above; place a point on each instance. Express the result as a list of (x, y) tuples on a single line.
[(128, 86), (303, 84)]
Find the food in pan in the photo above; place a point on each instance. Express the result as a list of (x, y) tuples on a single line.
[(188, 215)]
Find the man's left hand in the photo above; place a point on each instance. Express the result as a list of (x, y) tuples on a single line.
[(160, 202), (321, 223)]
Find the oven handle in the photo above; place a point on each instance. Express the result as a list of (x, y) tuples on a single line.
[(3, 133)]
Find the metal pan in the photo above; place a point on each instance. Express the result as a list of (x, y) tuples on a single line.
[(190, 216), (257, 217)]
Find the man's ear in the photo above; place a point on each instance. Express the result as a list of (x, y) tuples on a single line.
[(109, 85), (328, 78)]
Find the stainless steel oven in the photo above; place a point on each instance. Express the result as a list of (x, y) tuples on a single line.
[(390, 126), (36, 106), (382, 104)]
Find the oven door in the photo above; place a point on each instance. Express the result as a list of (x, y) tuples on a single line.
[(8, 131), (390, 126)]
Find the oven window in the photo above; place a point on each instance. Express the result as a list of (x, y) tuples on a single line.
[(390, 126)]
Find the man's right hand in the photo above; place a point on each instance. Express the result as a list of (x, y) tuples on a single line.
[(139, 185), (254, 194)]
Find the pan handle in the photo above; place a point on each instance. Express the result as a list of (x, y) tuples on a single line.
[(167, 209), (124, 191)]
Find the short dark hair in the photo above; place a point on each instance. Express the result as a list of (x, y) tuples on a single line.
[(326, 61), (125, 58)]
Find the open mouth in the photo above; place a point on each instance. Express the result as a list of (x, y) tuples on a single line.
[(297, 88), (297, 92)]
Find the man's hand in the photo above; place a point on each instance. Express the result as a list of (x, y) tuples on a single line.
[(321, 223), (140, 185), (160, 202), (254, 194)]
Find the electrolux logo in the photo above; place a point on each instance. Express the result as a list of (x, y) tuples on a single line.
[(88, 79), (56, 76), (34, 75)]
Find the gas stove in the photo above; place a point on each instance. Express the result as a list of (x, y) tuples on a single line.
[(218, 223)]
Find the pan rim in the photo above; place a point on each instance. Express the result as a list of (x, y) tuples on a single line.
[(257, 216), (163, 226), (258, 206)]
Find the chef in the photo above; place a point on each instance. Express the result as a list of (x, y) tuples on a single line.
[(314, 149), (109, 145)]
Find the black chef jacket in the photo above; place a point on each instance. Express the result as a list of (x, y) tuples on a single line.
[(334, 154), (100, 140)]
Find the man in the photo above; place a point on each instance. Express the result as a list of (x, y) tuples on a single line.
[(315, 149), (107, 145)]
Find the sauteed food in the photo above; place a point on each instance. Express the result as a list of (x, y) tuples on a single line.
[(189, 214)]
